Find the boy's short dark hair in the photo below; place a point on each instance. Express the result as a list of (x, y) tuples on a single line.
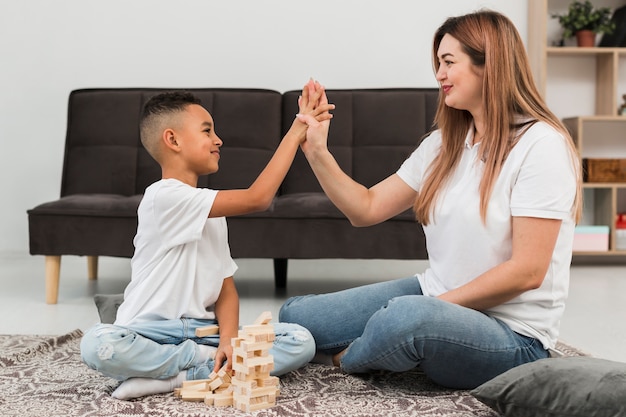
[(158, 109), (169, 101)]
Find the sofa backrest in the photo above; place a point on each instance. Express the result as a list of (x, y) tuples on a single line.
[(372, 132), (103, 152)]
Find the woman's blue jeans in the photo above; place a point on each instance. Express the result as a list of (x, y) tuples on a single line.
[(162, 349), (392, 326)]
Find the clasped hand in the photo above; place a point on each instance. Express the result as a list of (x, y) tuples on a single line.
[(314, 111)]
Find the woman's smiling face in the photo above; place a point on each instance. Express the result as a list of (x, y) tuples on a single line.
[(460, 80)]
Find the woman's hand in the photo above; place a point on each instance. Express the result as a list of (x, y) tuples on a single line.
[(316, 134)]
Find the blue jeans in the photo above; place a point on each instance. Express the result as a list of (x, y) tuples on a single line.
[(162, 349), (392, 326)]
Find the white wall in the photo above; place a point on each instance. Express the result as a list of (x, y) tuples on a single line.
[(49, 48)]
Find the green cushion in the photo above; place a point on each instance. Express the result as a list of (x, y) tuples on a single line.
[(573, 386)]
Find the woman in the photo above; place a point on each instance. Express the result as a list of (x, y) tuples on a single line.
[(497, 188)]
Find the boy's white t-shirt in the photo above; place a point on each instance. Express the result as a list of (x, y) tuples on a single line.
[(538, 179), (181, 256)]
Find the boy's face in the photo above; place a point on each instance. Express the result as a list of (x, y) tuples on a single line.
[(200, 145)]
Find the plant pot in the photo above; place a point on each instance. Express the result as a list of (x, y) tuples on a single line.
[(586, 38)]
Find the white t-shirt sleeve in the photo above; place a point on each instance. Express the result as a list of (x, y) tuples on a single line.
[(181, 214), (546, 180), (414, 168)]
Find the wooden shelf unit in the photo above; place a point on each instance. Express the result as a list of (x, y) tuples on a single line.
[(602, 135)]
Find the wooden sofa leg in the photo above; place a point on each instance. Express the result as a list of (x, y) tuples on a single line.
[(53, 270), (280, 273), (92, 267)]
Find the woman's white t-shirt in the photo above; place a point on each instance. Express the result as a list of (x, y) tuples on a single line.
[(538, 179), (181, 256)]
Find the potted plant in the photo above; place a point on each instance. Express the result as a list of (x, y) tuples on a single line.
[(584, 21)]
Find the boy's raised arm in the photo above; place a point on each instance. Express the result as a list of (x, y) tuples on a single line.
[(259, 195)]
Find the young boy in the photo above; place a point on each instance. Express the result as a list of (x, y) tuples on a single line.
[(182, 271)]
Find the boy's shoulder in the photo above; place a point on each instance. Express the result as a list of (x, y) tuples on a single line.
[(166, 184), (170, 192)]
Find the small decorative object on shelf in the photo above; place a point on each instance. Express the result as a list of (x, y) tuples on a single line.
[(604, 170), (620, 232), (591, 238), (622, 109), (584, 22)]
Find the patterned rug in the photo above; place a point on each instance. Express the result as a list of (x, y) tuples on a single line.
[(43, 376)]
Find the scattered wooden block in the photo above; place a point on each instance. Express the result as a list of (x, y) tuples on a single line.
[(264, 318), (207, 330)]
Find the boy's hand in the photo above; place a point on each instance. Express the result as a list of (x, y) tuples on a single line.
[(224, 354), (314, 101)]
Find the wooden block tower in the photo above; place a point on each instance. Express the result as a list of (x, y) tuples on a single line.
[(253, 387), (249, 387)]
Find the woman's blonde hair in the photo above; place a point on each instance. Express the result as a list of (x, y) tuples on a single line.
[(492, 43)]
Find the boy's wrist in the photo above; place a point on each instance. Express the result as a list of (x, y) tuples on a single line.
[(298, 130)]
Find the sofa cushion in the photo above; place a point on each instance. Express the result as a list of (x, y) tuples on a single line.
[(90, 224), (574, 386), (108, 205)]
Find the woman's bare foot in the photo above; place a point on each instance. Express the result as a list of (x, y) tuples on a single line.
[(337, 358)]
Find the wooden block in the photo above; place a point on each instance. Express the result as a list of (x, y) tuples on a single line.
[(245, 384), (254, 392), (257, 328), (248, 408), (243, 376), (223, 372), (263, 391), (258, 361), (223, 400), (253, 346), (193, 395), (264, 318), (195, 383), (207, 330), (272, 381), (224, 389), (218, 382), (259, 371)]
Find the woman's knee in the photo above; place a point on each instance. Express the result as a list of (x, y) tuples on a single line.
[(291, 311), (409, 313)]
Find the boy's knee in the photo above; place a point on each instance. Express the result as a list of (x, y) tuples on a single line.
[(98, 344), (295, 341)]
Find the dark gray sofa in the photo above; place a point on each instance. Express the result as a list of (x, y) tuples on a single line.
[(106, 169)]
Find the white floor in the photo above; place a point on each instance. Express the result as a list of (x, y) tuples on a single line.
[(594, 321)]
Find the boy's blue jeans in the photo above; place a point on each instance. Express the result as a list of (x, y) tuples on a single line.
[(162, 349), (392, 326)]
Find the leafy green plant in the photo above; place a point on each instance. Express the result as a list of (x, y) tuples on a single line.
[(583, 16)]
